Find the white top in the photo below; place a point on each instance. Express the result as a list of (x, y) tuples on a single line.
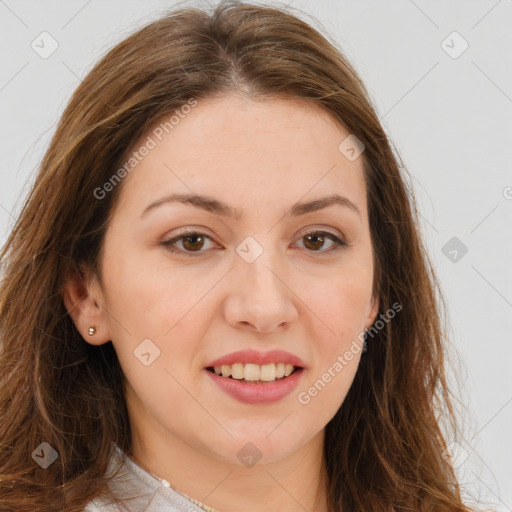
[(149, 493)]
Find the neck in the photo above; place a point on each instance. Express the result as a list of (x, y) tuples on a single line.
[(296, 481)]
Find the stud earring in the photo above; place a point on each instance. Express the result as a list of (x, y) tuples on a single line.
[(92, 330)]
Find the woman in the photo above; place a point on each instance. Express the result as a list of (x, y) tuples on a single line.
[(216, 296)]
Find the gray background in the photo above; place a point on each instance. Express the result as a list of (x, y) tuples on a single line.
[(448, 116)]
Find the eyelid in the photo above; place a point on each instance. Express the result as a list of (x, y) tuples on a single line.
[(340, 242), (320, 229)]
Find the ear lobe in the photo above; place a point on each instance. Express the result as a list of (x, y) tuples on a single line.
[(372, 314), (85, 311)]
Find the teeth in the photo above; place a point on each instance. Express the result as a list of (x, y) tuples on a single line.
[(251, 372), (254, 372), (238, 371), (268, 372)]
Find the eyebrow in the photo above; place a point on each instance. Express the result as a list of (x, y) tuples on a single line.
[(219, 208)]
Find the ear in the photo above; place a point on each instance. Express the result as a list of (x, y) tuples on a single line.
[(84, 302), (372, 313)]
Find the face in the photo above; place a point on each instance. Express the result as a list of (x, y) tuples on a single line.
[(272, 278)]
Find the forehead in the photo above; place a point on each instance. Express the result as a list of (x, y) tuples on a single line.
[(246, 152)]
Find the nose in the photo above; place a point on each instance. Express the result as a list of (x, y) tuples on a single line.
[(261, 296)]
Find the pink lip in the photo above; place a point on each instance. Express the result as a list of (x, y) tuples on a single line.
[(256, 357), (252, 393)]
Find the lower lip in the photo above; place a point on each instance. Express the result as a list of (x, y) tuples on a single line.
[(257, 393)]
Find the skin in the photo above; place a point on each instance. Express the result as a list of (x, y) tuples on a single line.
[(304, 298)]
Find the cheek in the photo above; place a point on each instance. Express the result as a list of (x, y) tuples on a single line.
[(336, 328), (340, 301), (337, 309), (149, 296), (164, 304)]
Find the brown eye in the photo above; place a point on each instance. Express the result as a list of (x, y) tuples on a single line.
[(316, 239), (193, 242)]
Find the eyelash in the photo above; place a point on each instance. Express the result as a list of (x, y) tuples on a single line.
[(168, 244)]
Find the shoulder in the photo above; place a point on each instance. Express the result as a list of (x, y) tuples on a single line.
[(94, 506), (157, 504), (136, 490), (99, 505), (91, 507)]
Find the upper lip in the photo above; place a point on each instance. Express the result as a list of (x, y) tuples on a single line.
[(260, 358)]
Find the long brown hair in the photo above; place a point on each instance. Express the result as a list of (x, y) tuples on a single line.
[(384, 448)]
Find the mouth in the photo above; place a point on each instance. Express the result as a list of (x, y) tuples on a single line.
[(254, 384), (255, 374)]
